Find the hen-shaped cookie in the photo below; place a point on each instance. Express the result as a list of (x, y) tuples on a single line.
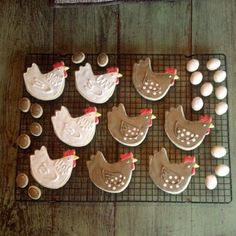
[(151, 85), (111, 177), (130, 131), (170, 177), (96, 88), (50, 173), (186, 135), (46, 87), (76, 132)]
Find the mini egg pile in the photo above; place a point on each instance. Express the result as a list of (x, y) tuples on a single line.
[(207, 88), (221, 108)]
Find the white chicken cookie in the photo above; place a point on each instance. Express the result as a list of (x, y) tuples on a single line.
[(96, 88), (76, 132), (50, 173), (46, 87)]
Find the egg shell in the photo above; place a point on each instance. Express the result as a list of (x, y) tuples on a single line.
[(221, 92), (213, 64), (218, 151), (221, 108), (197, 104), (196, 78), (211, 182), (206, 89), (219, 76), (192, 65), (222, 170)]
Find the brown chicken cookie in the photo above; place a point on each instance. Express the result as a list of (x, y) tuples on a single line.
[(130, 131), (171, 177), (186, 135), (151, 85), (111, 177)]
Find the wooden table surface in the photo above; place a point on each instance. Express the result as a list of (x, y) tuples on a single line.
[(183, 26)]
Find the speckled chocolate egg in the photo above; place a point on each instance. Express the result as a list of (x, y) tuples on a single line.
[(192, 65), (213, 64), (206, 89), (222, 170), (221, 92), (34, 192), (22, 180), (211, 182), (196, 78), (219, 76), (36, 129), (221, 108), (24, 104), (197, 104), (102, 59), (36, 110), (218, 151), (78, 57), (23, 141)]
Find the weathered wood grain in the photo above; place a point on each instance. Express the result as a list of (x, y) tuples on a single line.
[(24, 29), (161, 27), (213, 30), (92, 29)]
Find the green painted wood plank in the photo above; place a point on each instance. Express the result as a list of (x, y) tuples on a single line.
[(161, 27), (91, 29), (24, 29), (213, 30)]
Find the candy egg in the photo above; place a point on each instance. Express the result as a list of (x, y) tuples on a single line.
[(211, 182), (36, 110), (102, 59), (219, 76), (22, 180), (221, 108), (192, 65), (218, 151), (206, 89), (23, 141), (34, 192), (213, 64), (36, 129), (221, 92), (197, 104), (196, 78), (78, 57), (24, 104), (222, 170)]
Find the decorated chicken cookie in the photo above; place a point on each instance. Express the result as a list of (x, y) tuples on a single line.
[(111, 177), (171, 177), (50, 173), (76, 132), (130, 131), (46, 87), (150, 85), (96, 88), (186, 135)]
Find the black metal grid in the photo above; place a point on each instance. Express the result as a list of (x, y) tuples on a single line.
[(141, 188)]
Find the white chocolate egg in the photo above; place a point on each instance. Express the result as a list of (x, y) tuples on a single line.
[(213, 64), (211, 182), (222, 170), (192, 65), (218, 151), (221, 108), (221, 92), (197, 104), (206, 89), (219, 76), (196, 78)]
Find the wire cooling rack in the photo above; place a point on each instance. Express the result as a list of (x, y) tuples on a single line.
[(141, 188)]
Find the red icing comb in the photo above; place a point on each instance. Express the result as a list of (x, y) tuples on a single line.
[(90, 109), (126, 156), (58, 64), (189, 159), (69, 152), (145, 111), (171, 70), (112, 69), (205, 118)]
